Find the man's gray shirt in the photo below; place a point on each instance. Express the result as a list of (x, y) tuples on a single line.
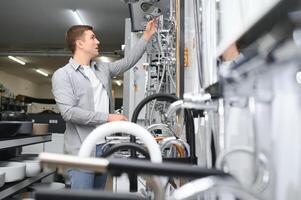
[(73, 94)]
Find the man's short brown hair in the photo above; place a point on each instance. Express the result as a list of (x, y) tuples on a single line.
[(74, 33)]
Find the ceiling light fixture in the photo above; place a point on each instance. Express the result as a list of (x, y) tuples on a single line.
[(122, 47), (17, 60), (41, 72), (118, 82), (78, 18)]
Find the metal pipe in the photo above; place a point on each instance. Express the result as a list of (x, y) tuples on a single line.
[(196, 6), (263, 174), (173, 108), (168, 142), (127, 166), (200, 102), (203, 186)]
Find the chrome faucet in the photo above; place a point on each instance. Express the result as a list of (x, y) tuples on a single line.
[(200, 101)]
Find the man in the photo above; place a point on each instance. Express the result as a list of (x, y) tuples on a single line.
[(82, 91)]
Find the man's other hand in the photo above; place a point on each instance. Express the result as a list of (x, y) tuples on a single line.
[(116, 117)]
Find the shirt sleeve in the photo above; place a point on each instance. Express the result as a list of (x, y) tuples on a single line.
[(66, 101), (129, 61)]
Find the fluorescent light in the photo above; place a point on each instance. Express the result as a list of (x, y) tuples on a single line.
[(105, 59), (41, 72), (122, 47), (17, 60), (77, 17)]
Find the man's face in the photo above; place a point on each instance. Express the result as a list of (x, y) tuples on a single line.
[(89, 43)]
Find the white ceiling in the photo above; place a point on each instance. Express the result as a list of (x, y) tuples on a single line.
[(39, 25)]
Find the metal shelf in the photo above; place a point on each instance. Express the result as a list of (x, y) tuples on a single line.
[(18, 141), (10, 189)]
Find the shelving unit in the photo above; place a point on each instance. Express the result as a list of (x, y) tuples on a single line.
[(23, 140), (10, 189), (11, 104)]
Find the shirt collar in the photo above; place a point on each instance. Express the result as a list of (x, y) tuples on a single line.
[(94, 64), (76, 65)]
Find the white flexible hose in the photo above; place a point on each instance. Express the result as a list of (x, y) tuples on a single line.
[(121, 127), (132, 129)]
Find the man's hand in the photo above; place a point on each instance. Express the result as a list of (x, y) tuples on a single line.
[(116, 117), (150, 29)]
